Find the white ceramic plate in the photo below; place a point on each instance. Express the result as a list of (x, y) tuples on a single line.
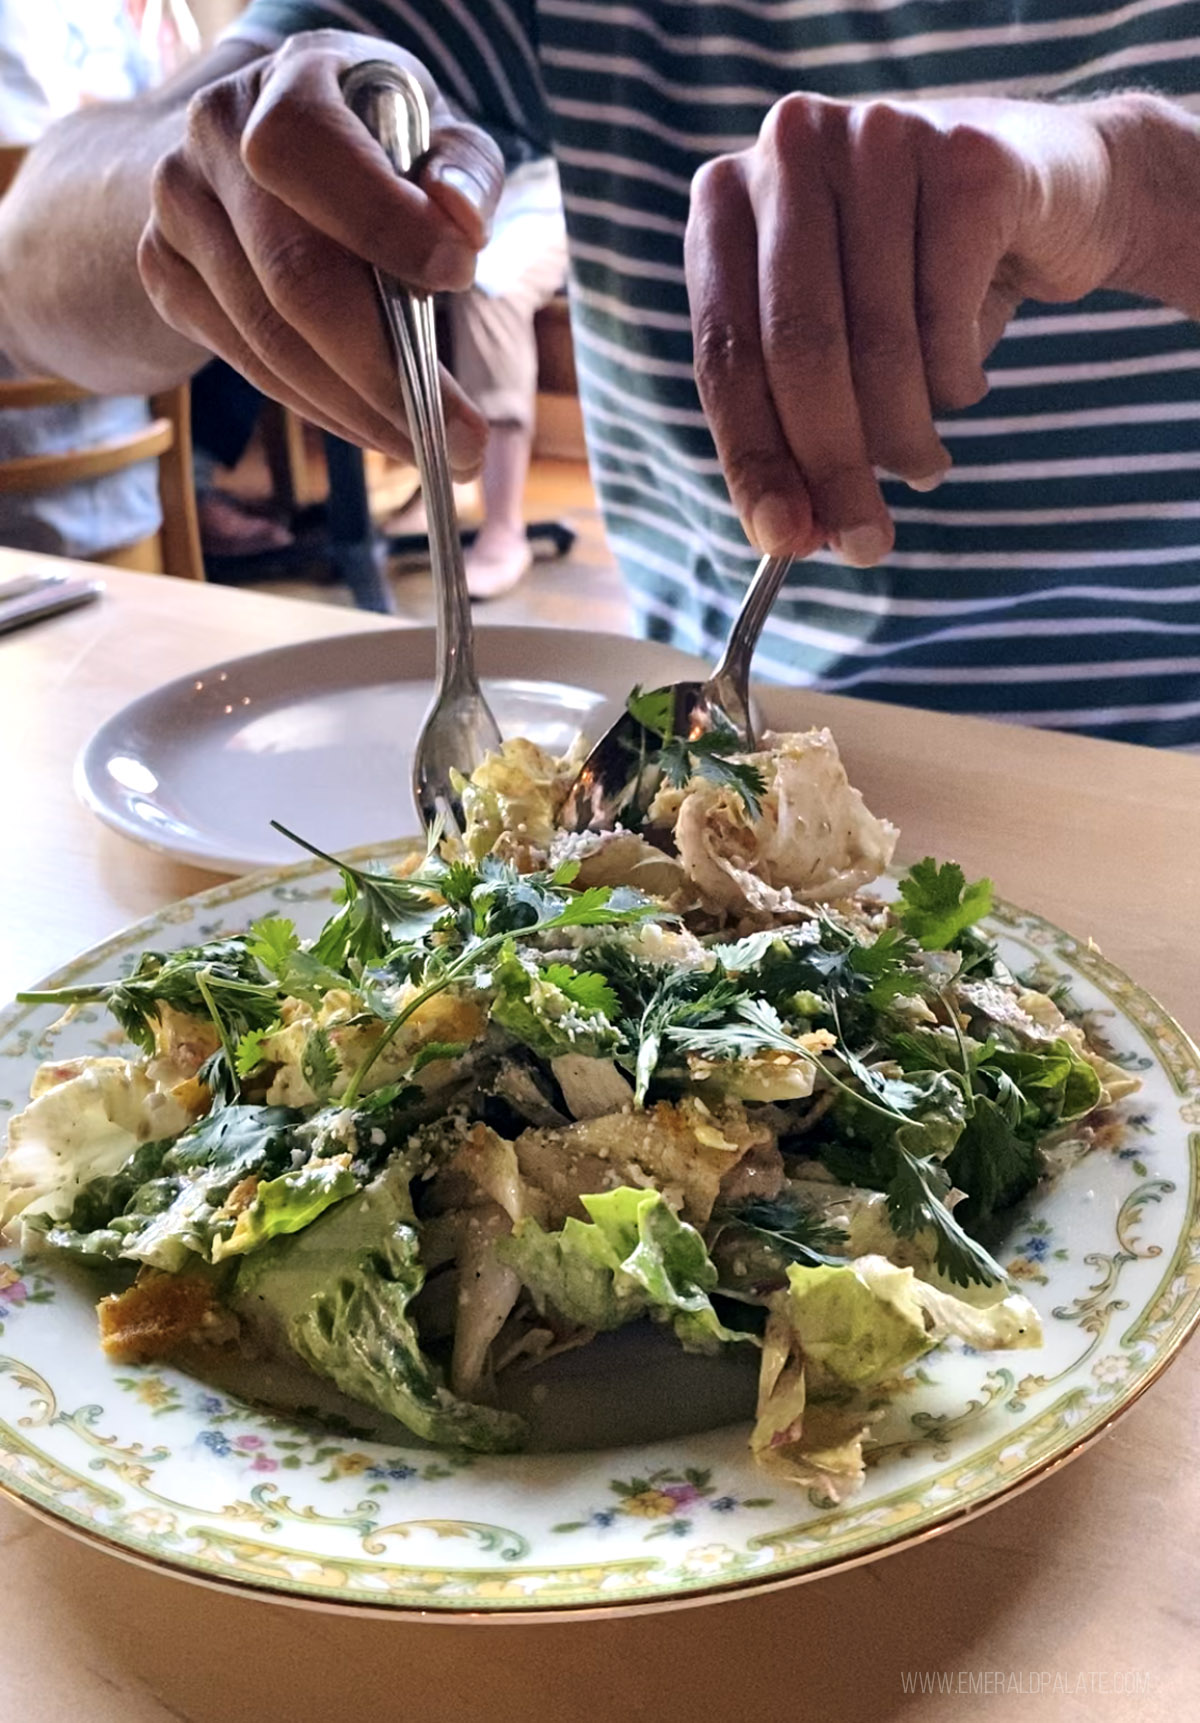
[(320, 735), (665, 1505)]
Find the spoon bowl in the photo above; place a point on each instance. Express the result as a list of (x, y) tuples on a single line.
[(618, 771)]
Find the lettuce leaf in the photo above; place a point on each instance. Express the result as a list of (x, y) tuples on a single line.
[(339, 1293), (834, 1336), (859, 1323), (176, 1213), (285, 1205), (633, 1258)]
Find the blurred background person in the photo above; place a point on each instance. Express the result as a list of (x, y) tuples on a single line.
[(494, 353), (57, 56)]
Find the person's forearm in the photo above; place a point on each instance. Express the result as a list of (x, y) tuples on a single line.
[(1155, 151), (72, 302)]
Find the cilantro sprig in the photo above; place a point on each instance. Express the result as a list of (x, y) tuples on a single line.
[(221, 980), (380, 909), (908, 1155), (789, 1230), (558, 908), (708, 755), (938, 906)]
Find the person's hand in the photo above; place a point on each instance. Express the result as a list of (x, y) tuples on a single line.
[(267, 216), (849, 274)]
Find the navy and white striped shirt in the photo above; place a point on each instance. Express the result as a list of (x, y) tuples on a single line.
[(1054, 578)]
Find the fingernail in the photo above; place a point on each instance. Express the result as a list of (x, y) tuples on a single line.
[(465, 445), (458, 180), (861, 546), (930, 482), (774, 526), (451, 266)]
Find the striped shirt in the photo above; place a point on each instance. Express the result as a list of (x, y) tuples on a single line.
[(1054, 578)]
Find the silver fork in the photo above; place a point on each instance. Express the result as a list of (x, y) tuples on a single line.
[(612, 775), (459, 729)]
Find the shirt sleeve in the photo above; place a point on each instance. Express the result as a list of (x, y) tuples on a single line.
[(482, 53)]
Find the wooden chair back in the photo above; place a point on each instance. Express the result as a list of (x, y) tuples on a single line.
[(167, 439), (11, 157)]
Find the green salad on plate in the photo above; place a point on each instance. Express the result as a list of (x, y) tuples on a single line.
[(536, 1086)]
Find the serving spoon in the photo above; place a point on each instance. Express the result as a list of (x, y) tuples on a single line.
[(610, 776), (458, 729)]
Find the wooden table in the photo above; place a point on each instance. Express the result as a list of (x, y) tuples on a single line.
[(1072, 1587)]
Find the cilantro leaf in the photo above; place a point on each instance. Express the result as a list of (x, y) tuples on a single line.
[(708, 756), (588, 988), (319, 1064), (792, 1232), (605, 906), (939, 906), (274, 942), (654, 710), (992, 1162), (433, 1052), (888, 965), (916, 1193), (249, 1054)]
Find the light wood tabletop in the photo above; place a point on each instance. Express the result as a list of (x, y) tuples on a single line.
[(1080, 1599)]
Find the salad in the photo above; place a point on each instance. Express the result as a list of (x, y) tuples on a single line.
[(536, 1085)]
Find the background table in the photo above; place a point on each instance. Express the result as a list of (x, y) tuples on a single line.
[(1078, 1600)]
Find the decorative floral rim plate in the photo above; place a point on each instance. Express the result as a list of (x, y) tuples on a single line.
[(163, 1468)]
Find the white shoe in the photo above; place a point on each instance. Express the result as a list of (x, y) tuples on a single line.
[(494, 569)]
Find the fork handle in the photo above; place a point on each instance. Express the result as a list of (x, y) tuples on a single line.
[(729, 684), (391, 104)]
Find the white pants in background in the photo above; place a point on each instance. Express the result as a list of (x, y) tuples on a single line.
[(521, 268)]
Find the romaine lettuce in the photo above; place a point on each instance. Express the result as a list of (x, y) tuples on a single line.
[(836, 1333), (633, 1258), (339, 1294)]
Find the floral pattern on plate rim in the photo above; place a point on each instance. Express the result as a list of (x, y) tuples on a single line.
[(160, 1465)]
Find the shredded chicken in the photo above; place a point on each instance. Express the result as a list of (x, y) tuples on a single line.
[(816, 841), (682, 1148)]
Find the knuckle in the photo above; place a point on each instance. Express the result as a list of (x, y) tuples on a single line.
[(171, 181), (168, 283), (173, 195), (971, 165), (838, 487), (754, 470), (789, 123), (213, 116), (800, 340), (712, 182), (885, 347), (721, 348), (295, 271), (151, 262), (265, 137), (880, 126)]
